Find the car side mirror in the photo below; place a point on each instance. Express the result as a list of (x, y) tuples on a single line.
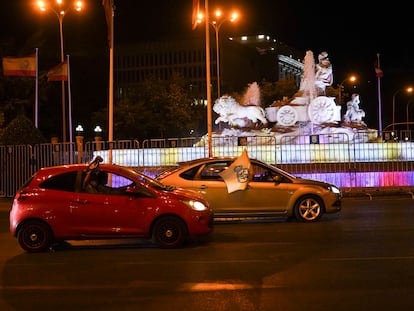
[(277, 179), (130, 190)]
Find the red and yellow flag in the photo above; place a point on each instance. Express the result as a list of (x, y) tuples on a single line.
[(20, 66), (58, 73), (378, 70)]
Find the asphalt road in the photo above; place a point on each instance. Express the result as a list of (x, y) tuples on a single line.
[(359, 259)]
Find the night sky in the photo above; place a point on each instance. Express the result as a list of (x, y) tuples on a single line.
[(352, 32)]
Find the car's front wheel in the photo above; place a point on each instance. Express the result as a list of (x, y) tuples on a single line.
[(169, 232), (35, 236), (309, 209)]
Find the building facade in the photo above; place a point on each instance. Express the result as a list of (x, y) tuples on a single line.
[(243, 60)]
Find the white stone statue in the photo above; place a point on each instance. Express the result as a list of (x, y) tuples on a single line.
[(353, 113), (324, 74)]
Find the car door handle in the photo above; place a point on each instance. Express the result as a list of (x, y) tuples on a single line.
[(203, 187)]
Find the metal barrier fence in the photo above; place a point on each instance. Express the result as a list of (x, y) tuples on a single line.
[(327, 156)]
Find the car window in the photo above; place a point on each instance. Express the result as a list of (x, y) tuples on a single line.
[(191, 173), (211, 171), (265, 174), (261, 173), (103, 182), (63, 182), (118, 181)]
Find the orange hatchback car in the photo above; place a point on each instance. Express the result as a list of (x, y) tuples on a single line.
[(104, 201)]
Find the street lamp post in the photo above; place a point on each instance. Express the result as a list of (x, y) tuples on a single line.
[(98, 137), (408, 90), (407, 116), (351, 79), (79, 142), (216, 25), (60, 10)]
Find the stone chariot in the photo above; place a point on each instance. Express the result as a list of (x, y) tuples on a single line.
[(321, 109)]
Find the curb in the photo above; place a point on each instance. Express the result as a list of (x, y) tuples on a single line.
[(376, 192)]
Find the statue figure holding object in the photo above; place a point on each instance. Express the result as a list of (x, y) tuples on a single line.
[(353, 113), (324, 74)]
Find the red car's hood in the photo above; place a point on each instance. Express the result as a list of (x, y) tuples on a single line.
[(188, 193)]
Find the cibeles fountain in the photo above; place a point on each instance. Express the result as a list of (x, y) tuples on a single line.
[(307, 128), (309, 113)]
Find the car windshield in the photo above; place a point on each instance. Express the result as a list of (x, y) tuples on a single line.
[(167, 172), (283, 171)]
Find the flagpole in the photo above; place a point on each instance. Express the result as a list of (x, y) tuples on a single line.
[(36, 112), (70, 110), (379, 97), (111, 82), (62, 59), (208, 81), (69, 103)]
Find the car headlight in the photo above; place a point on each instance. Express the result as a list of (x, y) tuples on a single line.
[(196, 205), (334, 189)]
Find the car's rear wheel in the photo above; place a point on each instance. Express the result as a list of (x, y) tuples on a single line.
[(35, 236), (169, 232), (309, 209)]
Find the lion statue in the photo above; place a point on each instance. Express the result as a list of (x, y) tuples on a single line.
[(237, 115)]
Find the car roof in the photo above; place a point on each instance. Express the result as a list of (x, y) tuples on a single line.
[(202, 160), (213, 159), (58, 169)]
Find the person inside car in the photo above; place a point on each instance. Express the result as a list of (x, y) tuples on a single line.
[(98, 183)]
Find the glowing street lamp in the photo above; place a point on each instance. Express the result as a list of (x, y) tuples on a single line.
[(97, 130), (216, 25), (197, 20), (350, 79), (79, 129), (60, 10), (407, 90)]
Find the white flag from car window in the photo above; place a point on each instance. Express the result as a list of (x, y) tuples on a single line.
[(237, 175)]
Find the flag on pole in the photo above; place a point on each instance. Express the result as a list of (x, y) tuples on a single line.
[(378, 70), (20, 66), (108, 7), (238, 174), (196, 12), (58, 73)]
